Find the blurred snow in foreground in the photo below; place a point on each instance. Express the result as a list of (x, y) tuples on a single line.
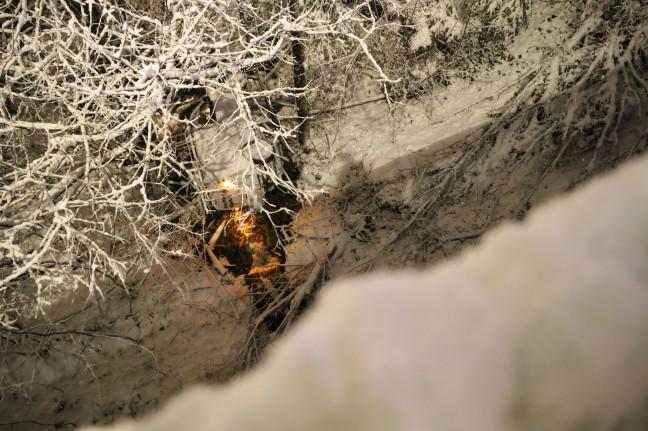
[(542, 327)]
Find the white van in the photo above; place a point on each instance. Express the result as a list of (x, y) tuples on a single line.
[(227, 154)]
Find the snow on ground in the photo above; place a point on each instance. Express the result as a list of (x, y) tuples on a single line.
[(128, 353), (540, 328), (374, 136), (407, 186), (414, 185)]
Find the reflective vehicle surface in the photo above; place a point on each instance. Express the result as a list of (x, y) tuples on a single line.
[(228, 156)]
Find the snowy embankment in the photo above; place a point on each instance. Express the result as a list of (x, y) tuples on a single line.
[(374, 134), (542, 327)]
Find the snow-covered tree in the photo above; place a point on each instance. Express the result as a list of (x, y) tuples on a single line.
[(103, 105), (99, 101)]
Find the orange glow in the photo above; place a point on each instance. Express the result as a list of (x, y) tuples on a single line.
[(243, 224), (268, 269), (244, 230)]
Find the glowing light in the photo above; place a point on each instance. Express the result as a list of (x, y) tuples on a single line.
[(227, 184), (266, 270), (246, 231), (243, 224)]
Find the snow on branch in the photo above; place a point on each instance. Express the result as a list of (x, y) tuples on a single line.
[(98, 105)]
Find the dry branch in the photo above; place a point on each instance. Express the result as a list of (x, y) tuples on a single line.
[(332, 252), (216, 262)]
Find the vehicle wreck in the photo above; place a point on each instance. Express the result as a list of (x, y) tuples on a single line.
[(229, 161)]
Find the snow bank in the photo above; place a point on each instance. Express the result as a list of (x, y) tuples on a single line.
[(542, 327)]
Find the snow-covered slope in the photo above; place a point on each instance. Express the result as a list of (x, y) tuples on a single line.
[(374, 134), (542, 327)]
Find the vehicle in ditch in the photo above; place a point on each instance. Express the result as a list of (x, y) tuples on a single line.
[(229, 157)]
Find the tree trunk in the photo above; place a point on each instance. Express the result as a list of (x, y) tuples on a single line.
[(299, 75)]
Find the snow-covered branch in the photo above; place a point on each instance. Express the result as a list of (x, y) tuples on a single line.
[(101, 105)]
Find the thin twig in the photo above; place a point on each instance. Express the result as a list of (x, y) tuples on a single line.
[(72, 331)]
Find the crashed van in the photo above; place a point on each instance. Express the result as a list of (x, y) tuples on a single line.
[(228, 156)]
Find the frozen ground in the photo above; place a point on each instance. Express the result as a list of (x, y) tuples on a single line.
[(178, 325), (406, 186)]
